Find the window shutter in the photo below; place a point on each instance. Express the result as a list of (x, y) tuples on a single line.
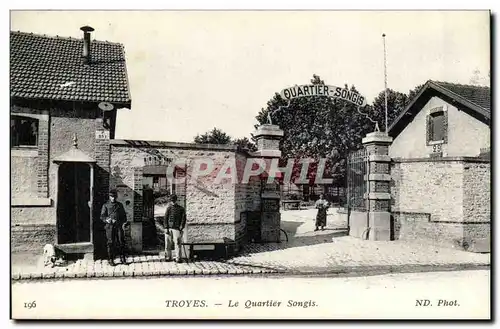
[(428, 129), (445, 127)]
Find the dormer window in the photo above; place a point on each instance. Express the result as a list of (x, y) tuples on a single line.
[(23, 132)]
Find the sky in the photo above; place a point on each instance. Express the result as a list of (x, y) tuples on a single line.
[(191, 71)]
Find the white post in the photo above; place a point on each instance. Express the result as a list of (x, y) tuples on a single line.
[(385, 82)]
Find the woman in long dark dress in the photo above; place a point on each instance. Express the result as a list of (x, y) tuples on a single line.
[(322, 206)]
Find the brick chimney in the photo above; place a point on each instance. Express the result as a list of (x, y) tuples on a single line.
[(86, 43)]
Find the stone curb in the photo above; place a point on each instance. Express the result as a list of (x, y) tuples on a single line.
[(241, 270), (388, 269), (258, 271)]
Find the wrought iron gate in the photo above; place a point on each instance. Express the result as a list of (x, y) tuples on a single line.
[(357, 187)]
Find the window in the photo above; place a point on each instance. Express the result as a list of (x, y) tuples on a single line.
[(437, 126), (23, 131), (156, 185)]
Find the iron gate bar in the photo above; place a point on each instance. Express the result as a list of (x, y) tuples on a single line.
[(357, 187)]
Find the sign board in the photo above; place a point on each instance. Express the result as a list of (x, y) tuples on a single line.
[(102, 134), (157, 160), (323, 90)]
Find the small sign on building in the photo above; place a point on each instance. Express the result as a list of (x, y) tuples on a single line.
[(102, 134)]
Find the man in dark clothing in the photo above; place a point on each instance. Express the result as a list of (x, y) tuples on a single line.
[(175, 221), (114, 217)]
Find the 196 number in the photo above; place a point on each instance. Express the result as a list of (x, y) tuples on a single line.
[(30, 305)]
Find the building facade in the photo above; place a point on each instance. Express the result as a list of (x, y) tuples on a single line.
[(65, 94), (441, 168)]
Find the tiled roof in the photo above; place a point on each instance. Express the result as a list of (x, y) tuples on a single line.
[(475, 94), (43, 67), (475, 100)]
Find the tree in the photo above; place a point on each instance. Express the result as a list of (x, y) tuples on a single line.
[(217, 136), (476, 76), (478, 79), (317, 127), (396, 103), (245, 143), (412, 93), (214, 136)]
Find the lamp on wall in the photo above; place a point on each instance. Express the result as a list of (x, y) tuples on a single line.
[(106, 109)]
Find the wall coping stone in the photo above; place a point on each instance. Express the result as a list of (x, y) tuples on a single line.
[(445, 159), (167, 144), (268, 130), (377, 137)]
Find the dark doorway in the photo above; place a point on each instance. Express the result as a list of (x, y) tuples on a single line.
[(73, 203), (253, 220)]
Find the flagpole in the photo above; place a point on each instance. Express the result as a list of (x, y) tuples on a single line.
[(385, 83)]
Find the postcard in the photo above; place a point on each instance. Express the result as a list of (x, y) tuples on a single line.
[(307, 164)]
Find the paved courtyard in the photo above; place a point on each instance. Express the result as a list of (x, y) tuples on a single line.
[(306, 252), (332, 251)]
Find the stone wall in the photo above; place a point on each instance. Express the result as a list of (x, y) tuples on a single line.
[(64, 124), (442, 201), (428, 186), (29, 174), (477, 192), (23, 176), (32, 237), (34, 201), (477, 206), (211, 208), (33, 173)]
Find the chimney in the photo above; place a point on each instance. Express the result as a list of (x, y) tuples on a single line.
[(86, 43)]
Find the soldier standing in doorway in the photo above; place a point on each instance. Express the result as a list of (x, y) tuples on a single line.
[(115, 219), (175, 221)]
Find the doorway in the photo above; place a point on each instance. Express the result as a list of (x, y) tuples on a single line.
[(74, 203)]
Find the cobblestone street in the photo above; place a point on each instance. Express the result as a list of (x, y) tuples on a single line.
[(331, 251), (306, 252)]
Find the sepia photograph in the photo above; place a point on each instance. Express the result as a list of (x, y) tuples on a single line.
[(250, 164)]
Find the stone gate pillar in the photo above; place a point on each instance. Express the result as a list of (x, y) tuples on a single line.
[(268, 139), (378, 180), (136, 220)]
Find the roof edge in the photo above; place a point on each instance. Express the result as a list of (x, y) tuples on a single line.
[(119, 105), (58, 37), (409, 106), (442, 90), (481, 110)]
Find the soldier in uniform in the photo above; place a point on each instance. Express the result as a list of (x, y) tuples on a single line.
[(175, 221), (114, 217)]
